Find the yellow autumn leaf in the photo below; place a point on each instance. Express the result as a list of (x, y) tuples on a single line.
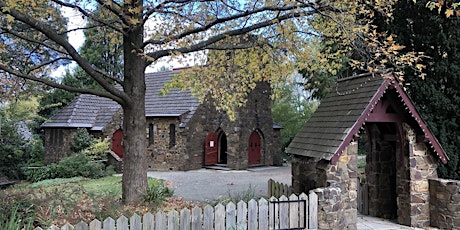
[(390, 38), (396, 47), (134, 21)]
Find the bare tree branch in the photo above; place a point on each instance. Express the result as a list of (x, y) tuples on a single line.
[(230, 18), (88, 15), (49, 62), (61, 86), (27, 39), (61, 41), (212, 40)]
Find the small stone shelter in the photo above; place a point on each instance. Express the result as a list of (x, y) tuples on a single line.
[(181, 133), (401, 154)]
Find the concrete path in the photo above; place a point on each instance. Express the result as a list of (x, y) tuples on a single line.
[(208, 185), (370, 223)]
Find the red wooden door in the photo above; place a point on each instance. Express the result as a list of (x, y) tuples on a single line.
[(254, 148), (211, 150), (117, 146)]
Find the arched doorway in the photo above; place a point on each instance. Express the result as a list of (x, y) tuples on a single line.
[(254, 148), (211, 149), (117, 146), (222, 148)]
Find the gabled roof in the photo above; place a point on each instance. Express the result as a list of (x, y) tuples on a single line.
[(83, 112), (345, 110), (89, 111)]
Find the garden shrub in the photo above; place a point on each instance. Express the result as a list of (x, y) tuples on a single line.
[(98, 149), (72, 166), (36, 151), (81, 140)]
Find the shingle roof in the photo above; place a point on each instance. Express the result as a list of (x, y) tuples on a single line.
[(89, 111), (175, 103), (83, 113), (342, 113)]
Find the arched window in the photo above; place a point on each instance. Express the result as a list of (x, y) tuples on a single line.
[(172, 135)]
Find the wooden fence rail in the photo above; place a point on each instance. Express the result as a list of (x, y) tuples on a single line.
[(282, 213), (278, 189)]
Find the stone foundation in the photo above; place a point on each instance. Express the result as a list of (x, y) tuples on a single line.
[(445, 203)]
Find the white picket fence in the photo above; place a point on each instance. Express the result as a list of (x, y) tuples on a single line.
[(295, 212)]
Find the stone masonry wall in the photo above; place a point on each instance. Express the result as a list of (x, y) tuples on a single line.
[(162, 157), (330, 205), (422, 167), (445, 203), (254, 116), (58, 144), (344, 174), (305, 175), (335, 185)]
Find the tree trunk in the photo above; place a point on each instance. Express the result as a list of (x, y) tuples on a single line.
[(134, 182)]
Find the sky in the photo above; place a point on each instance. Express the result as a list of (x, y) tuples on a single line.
[(77, 38)]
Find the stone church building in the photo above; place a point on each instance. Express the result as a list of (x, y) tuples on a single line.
[(182, 134), (373, 115)]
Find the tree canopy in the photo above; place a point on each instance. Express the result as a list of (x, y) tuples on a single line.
[(274, 38), (437, 97)]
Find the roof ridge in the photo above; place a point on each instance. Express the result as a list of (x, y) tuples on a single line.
[(384, 73)]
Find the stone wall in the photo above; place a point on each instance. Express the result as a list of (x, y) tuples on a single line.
[(421, 165), (305, 176), (58, 143), (254, 116), (162, 155), (445, 203), (335, 185), (344, 174), (330, 207)]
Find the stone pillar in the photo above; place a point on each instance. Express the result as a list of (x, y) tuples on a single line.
[(343, 175), (422, 167), (330, 207)]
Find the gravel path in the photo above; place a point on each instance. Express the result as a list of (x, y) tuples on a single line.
[(205, 185)]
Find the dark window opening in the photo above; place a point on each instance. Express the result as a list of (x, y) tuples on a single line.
[(151, 133), (172, 135)]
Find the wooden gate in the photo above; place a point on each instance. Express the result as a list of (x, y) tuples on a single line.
[(117, 146), (254, 148), (363, 198), (211, 149)]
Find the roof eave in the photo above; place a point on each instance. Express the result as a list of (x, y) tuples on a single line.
[(433, 141), (66, 125), (361, 120), (164, 114)]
